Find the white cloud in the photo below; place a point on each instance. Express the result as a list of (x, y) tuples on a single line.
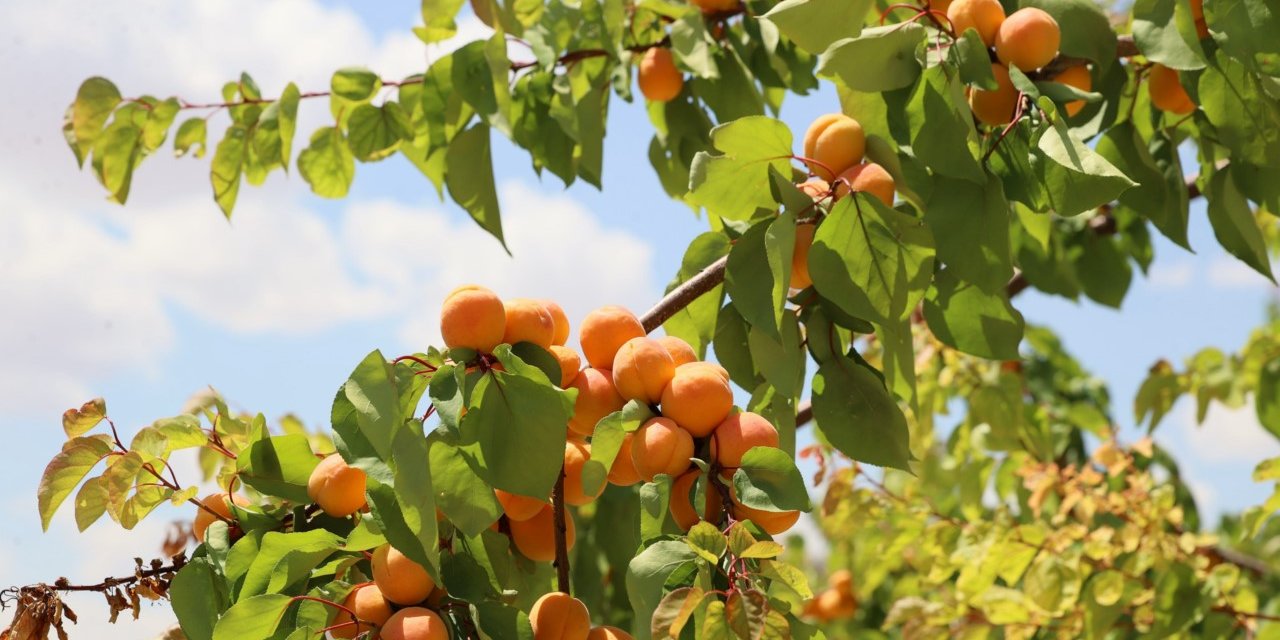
[(1227, 435), (1228, 272), (1171, 275)]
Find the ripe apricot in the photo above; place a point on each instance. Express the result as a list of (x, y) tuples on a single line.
[(834, 142), (738, 434), (815, 188), (576, 455), (220, 504), (681, 505), (604, 331), (473, 317), (1197, 14), (369, 606), (623, 472), (560, 319), (995, 107), (868, 177), (536, 537), (717, 6), (1078, 77), (983, 15), (800, 255), (528, 321), (415, 623), (773, 522), (1028, 39), (659, 78), (518, 507), (698, 398), (559, 616), (400, 579), (841, 581), (1167, 93), (679, 350), (940, 6), (608, 633), (661, 446), (642, 368), (831, 605), (597, 398), (570, 363), (711, 367), (337, 487)]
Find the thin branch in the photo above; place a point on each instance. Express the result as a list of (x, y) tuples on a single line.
[(561, 535), (684, 295), (62, 584)]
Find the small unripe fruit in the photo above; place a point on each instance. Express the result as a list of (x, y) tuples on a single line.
[(867, 177), (738, 434), (604, 331), (576, 455), (698, 398), (415, 623), (1028, 39), (561, 321), (834, 142), (220, 504), (642, 369), (608, 633), (815, 188), (559, 616), (369, 606), (400, 579), (995, 107), (473, 317), (535, 538), (800, 255), (570, 363), (1167, 93), (528, 321), (518, 507), (337, 487), (984, 15), (597, 398), (679, 350), (623, 472), (661, 446), (659, 78), (772, 522), (682, 509)]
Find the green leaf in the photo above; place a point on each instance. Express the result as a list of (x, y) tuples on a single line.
[(502, 622), (1180, 600), (692, 45), (746, 611), (858, 416), (696, 323), (288, 118), (228, 165), (327, 164), (1267, 397), (253, 618), (91, 502), (707, 541), (735, 184), (198, 595), (473, 78), (1155, 197), (159, 119), (879, 59), (279, 466), (606, 441), (192, 133), (77, 422), (355, 84), (971, 226), (376, 132), (1086, 29), (970, 55), (285, 558), (1076, 178), (941, 127), (78, 456), (1158, 36), (781, 361), (405, 505), (1243, 28), (95, 100), (1234, 225), (372, 396), (971, 320), (815, 24), (469, 176), (733, 350), (674, 612), (648, 572), (768, 479), (1246, 118), (115, 155), (438, 20), (461, 491), (758, 273)]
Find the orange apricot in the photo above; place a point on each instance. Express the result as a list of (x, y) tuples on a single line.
[(597, 398), (1167, 93), (561, 321), (1197, 14), (995, 107), (1078, 77), (367, 603), (608, 633), (717, 6), (473, 317), (679, 350), (983, 15), (570, 363), (738, 434), (1028, 39), (559, 616), (576, 455), (867, 177), (711, 367), (841, 581), (535, 538), (642, 368), (800, 255), (337, 487), (831, 605), (661, 446), (400, 579), (940, 6), (518, 507), (218, 503), (681, 505), (834, 142), (698, 398), (528, 321), (659, 78), (815, 188), (604, 331), (623, 472), (773, 522), (415, 623)]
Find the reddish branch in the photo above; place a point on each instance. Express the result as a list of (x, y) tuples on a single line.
[(561, 535)]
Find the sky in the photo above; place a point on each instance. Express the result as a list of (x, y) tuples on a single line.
[(149, 303)]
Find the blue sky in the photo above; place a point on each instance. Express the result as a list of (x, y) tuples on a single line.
[(146, 304)]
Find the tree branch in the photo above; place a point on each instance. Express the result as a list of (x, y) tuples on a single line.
[(561, 535), (684, 295)]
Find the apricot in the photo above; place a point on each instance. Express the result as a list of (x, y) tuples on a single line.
[(659, 78), (800, 255), (1079, 78), (536, 537), (710, 367), (698, 398), (717, 6), (983, 15), (1028, 39), (867, 177), (1197, 13), (642, 368), (570, 363), (576, 455), (608, 633), (679, 350), (473, 317), (369, 606), (337, 487), (415, 623), (604, 331), (597, 398), (661, 446), (400, 579), (681, 505), (995, 107), (939, 5), (773, 522), (831, 605), (220, 504), (1167, 93), (560, 319), (528, 321), (559, 616), (815, 188), (738, 434), (623, 472), (841, 581), (834, 142), (518, 507)]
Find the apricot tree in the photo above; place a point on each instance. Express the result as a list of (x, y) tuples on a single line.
[(495, 487)]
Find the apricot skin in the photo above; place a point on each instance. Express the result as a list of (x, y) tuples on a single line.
[(841, 581), (528, 321), (415, 623), (815, 188), (473, 317), (698, 398), (642, 368), (717, 6), (1197, 14), (218, 503), (659, 78), (867, 177), (536, 537), (834, 142), (604, 331), (337, 487), (400, 579), (597, 398), (369, 606), (561, 321), (661, 446), (576, 455), (623, 472), (679, 350), (773, 522), (1167, 93), (984, 15), (800, 255), (1078, 77), (681, 506), (609, 633), (738, 434), (1028, 39), (518, 507), (559, 616), (570, 363), (830, 605), (995, 107)]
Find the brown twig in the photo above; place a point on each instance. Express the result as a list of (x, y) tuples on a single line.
[(684, 294), (561, 535)]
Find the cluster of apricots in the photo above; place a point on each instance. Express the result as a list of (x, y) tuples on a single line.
[(836, 602), (395, 604), (693, 398)]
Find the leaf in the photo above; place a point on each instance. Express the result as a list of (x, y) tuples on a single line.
[(96, 98), (461, 491), (1155, 197), (1246, 118), (191, 134), (858, 416), (780, 572), (473, 78), (782, 362), (159, 119), (502, 622), (941, 127), (1076, 178), (648, 572), (1086, 29), (675, 611), (707, 541), (1179, 600), (404, 505), (735, 184), (76, 422), (692, 45), (1243, 29), (469, 176), (971, 320), (285, 558), (198, 595), (115, 155), (815, 24), (327, 164), (371, 394), (758, 273), (696, 323), (438, 20), (288, 117), (1156, 395), (746, 611), (376, 132), (253, 618), (1234, 225), (1267, 396), (733, 350), (227, 166), (769, 480), (879, 59), (969, 54), (1157, 34), (971, 226), (355, 84), (91, 503), (279, 466), (606, 441), (78, 456)]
